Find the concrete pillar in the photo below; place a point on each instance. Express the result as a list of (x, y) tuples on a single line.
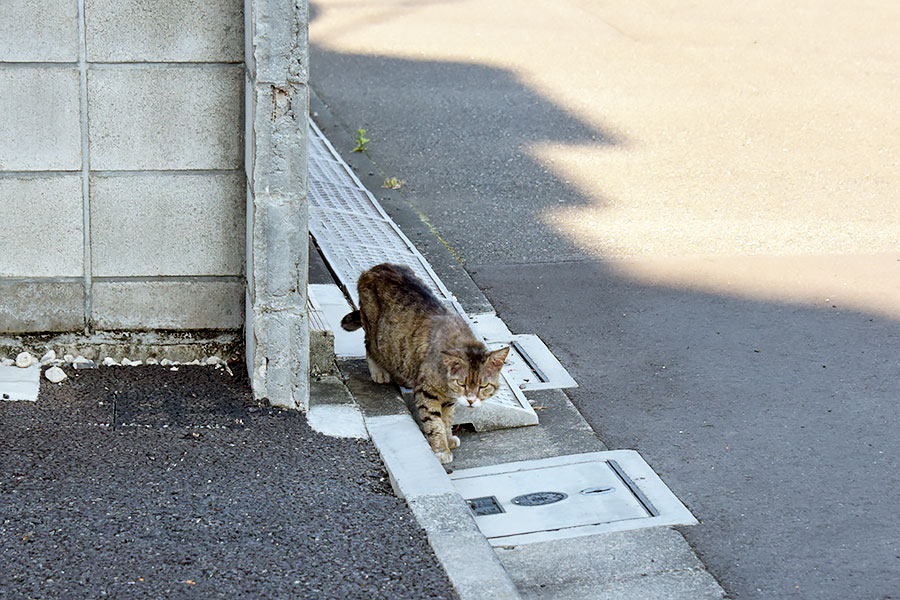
[(276, 112)]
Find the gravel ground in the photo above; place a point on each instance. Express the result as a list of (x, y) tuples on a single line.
[(136, 482)]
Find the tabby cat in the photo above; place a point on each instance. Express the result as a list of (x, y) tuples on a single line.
[(412, 339)]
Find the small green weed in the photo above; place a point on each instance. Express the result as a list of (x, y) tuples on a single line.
[(361, 141), (392, 183)]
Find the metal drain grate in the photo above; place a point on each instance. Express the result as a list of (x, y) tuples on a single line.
[(354, 234)]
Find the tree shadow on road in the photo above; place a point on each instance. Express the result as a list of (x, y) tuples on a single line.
[(775, 422)]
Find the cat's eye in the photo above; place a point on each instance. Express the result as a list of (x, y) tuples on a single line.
[(485, 386)]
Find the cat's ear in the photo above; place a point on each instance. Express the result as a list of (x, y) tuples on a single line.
[(454, 362), (496, 358)]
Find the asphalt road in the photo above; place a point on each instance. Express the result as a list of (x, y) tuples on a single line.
[(694, 205), (141, 482)]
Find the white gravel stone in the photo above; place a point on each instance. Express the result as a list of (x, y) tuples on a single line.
[(109, 361), (166, 362), (48, 357), (135, 363), (7, 362), (152, 361), (213, 360), (80, 360), (55, 374), (24, 360), (194, 362), (69, 358), (126, 362)]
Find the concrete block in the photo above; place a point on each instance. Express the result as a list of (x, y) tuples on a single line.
[(278, 46), (41, 306), (321, 352), (279, 251), (40, 124), (282, 123), (280, 371), (164, 30), (167, 224), (165, 118), (38, 31), (443, 513), (332, 411), (42, 224), (375, 399), (178, 304)]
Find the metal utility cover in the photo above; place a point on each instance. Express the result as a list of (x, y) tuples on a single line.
[(569, 496)]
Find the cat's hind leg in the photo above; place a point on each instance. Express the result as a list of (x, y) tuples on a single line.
[(378, 373)]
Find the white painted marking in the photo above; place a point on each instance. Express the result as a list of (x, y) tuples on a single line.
[(337, 420), (20, 384), (331, 306)]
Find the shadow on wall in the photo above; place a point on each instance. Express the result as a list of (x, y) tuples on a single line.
[(775, 422)]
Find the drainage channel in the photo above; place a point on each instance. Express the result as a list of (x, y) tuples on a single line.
[(354, 233)]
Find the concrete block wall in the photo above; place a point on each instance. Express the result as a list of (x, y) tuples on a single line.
[(122, 186)]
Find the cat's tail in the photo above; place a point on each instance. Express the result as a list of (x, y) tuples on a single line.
[(352, 321)]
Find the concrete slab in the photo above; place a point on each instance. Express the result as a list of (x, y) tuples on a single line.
[(562, 431), (332, 411), (20, 384), (337, 420), (648, 563)]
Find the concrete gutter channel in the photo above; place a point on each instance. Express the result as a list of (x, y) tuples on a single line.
[(640, 564)]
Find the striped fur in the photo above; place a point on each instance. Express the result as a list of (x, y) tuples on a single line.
[(413, 340)]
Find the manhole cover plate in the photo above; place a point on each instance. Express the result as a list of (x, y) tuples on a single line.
[(538, 498), (568, 496)]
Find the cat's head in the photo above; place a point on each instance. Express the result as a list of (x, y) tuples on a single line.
[(473, 373)]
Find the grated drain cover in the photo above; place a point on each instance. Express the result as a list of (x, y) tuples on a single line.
[(354, 233)]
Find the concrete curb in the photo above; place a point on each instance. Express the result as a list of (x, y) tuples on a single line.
[(416, 476)]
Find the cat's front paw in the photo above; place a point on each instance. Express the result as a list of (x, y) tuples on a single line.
[(444, 457), (381, 377), (453, 442)]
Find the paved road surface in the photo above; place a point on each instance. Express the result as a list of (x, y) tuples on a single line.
[(695, 205), (141, 482)]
